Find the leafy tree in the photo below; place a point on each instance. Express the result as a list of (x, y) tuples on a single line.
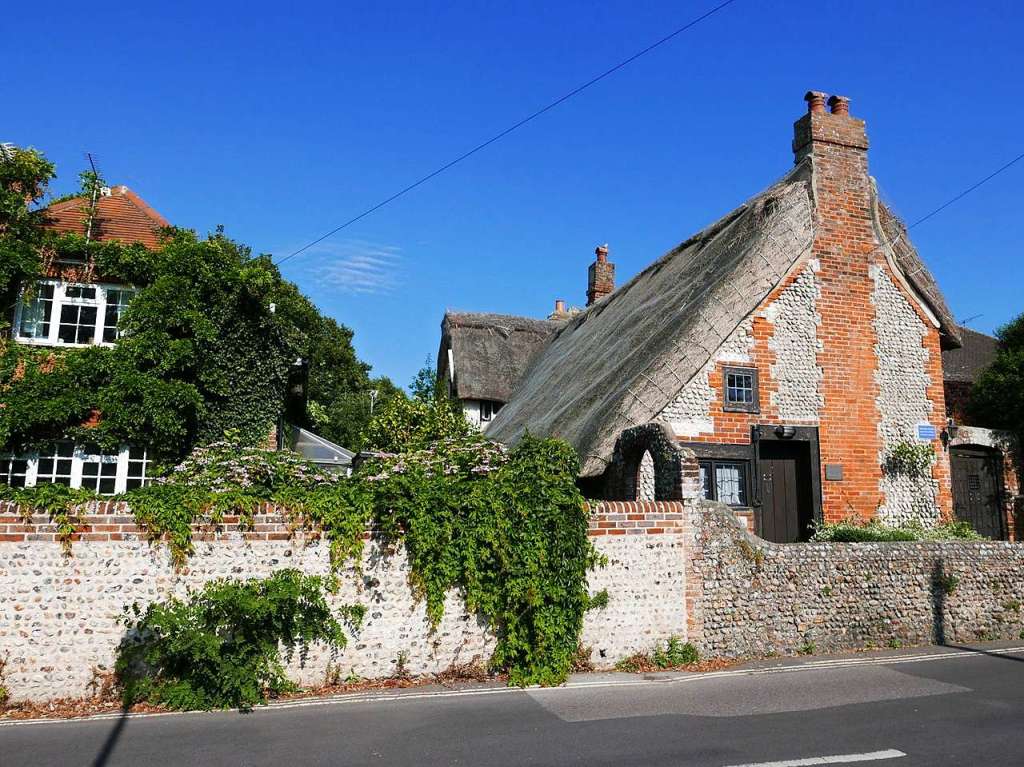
[(24, 177), (403, 425), (208, 343), (425, 386), (997, 399), (346, 418)]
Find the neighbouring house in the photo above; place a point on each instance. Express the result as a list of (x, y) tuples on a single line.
[(72, 307), (796, 346), (482, 357), (984, 462)]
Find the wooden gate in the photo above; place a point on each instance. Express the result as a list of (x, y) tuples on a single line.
[(978, 489), (786, 493)]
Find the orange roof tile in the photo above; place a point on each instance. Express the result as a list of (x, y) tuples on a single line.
[(122, 215)]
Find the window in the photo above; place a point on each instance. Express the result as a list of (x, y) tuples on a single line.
[(35, 315), (488, 409), (138, 468), (13, 471), (99, 472), (54, 465), (740, 390), (85, 467), (725, 481), (117, 302), (61, 313)]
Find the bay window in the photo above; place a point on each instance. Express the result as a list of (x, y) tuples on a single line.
[(70, 314)]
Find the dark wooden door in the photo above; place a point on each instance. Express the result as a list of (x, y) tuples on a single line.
[(786, 494), (977, 489)]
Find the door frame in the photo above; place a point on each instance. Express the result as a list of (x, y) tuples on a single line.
[(994, 456), (783, 433)]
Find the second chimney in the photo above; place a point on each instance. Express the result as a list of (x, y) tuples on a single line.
[(600, 276)]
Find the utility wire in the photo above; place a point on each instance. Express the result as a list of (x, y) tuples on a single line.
[(967, 191), (521, 123)]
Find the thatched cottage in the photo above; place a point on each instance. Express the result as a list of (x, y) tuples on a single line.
[(795, 346)]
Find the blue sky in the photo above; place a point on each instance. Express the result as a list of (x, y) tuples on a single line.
[(281, 121)]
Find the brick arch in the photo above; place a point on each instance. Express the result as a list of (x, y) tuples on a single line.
[(676, 475)]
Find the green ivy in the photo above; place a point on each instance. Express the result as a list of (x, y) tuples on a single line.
[(221, 647), (506, 529), (910, 459)]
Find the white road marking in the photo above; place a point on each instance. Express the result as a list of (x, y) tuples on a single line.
[(683, 678), (873, 756)]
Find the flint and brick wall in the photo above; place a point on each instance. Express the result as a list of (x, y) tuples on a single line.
[(684, 568), (58, 613), (761, 598)]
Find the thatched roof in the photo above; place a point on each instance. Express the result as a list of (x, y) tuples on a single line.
[(621, 361), (490, 352), (977, 351)]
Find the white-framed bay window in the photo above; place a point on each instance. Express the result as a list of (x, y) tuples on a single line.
[(71, 314), (79, 466)]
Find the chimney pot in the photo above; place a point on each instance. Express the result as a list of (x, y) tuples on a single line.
[(559, 306), (601, 251), (840, 105), (815, 101)]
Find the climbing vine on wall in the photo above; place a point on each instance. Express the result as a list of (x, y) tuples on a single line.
[(506, 529)]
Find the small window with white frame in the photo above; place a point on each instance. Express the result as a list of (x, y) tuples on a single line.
[(71, 314), (488, 409), (80, 467)]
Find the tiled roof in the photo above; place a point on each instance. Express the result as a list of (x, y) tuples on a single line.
[(966, 363), (121, 215)]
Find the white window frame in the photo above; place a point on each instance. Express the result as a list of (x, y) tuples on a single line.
[(80, 457), (60, 300), (489, 404)]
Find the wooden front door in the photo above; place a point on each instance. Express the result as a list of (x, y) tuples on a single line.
[(787, 508), (977, 489)]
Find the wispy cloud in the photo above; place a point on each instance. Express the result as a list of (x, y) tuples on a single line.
[(356, 266)]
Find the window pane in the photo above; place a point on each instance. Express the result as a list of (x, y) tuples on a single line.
[(13, 471), (77, 324), (740, 388), (117, 302), (80, 291), (35, 315), (731, 483), (54, 465), (705, 481)]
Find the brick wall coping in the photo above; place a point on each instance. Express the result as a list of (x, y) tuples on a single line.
[(113, 521)]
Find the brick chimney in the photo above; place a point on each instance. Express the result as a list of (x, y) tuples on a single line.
[(850, 256), (829, 134), (600, 276)]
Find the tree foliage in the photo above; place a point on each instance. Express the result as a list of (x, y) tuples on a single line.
[(997, 398), (208, 343)]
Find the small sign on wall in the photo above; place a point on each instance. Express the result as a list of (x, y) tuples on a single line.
[(926, 432)]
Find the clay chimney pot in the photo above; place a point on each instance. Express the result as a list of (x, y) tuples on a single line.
[(815, 101), (840, 105)]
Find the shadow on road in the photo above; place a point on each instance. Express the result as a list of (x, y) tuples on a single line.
[(986, 652), (111, 742)]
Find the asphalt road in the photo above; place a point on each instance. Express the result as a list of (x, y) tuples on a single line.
[(940, 706)]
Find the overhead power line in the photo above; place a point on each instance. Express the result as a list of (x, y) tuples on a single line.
[(497, 137), (967, 191)]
